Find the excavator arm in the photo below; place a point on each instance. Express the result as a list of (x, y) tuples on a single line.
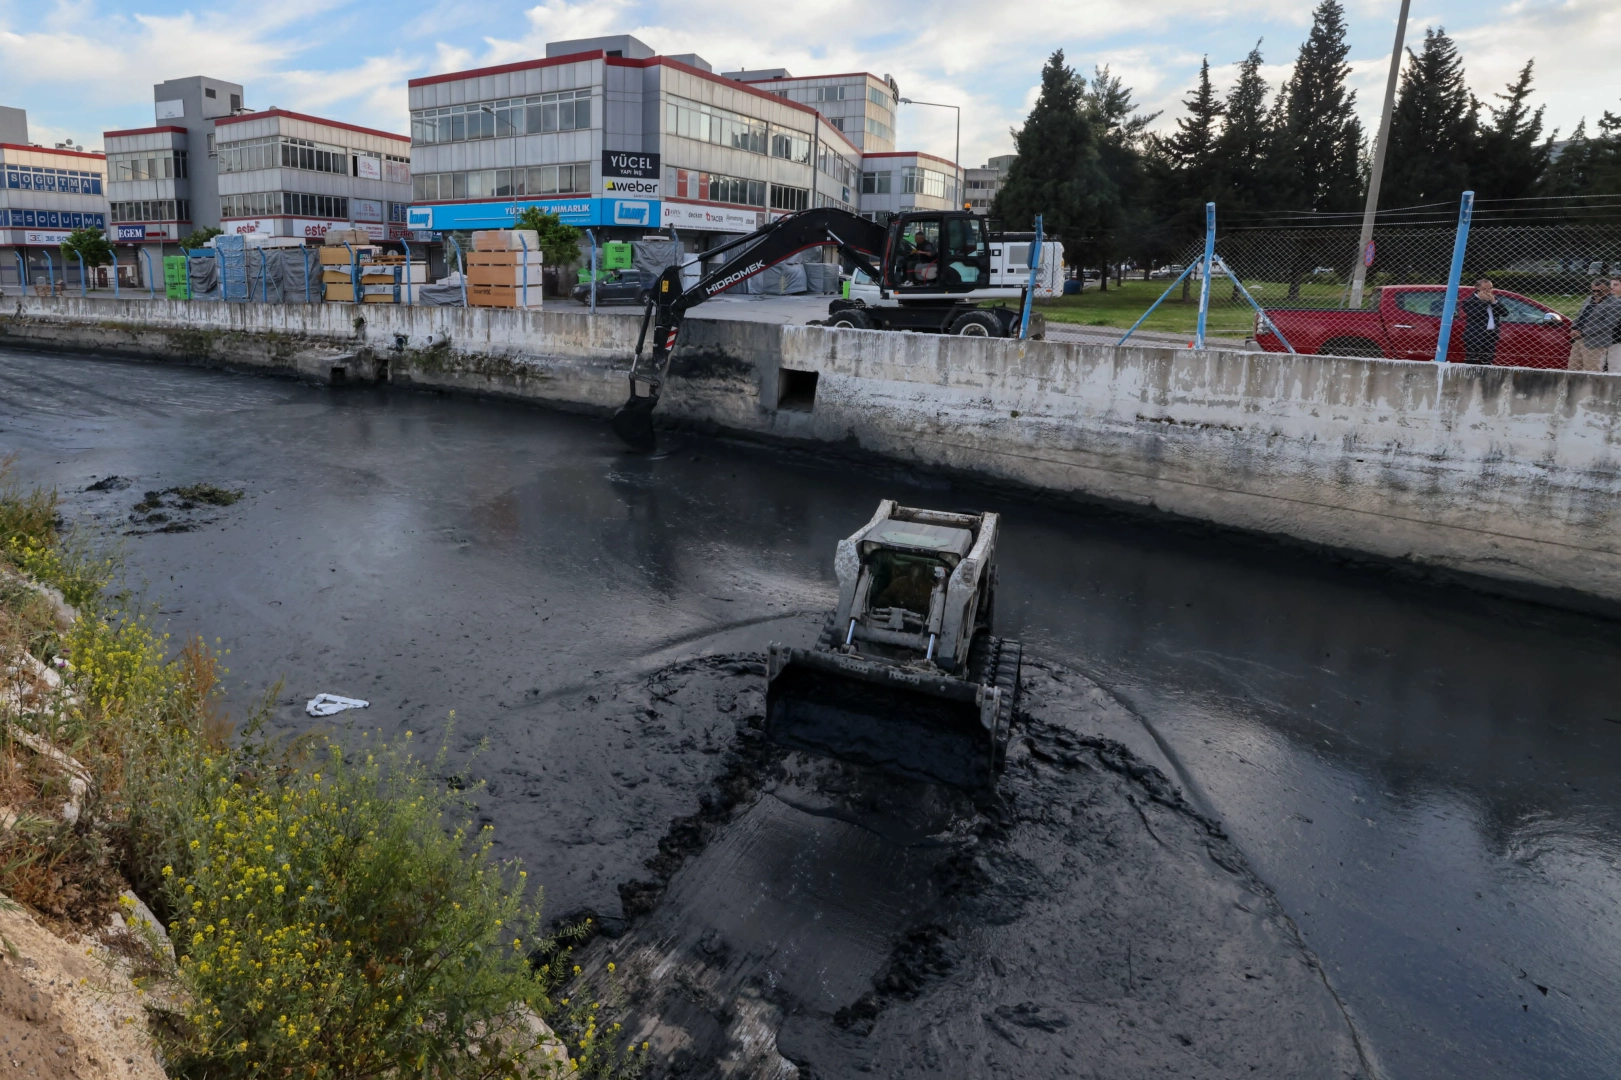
[(859, 240)]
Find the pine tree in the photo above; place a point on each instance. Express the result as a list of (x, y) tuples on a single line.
[(1183, 173), (1121, 134), (1245, 143), (1434, 128), (1570, 166), (1056, 172), (1318, 140), (1512, 157)]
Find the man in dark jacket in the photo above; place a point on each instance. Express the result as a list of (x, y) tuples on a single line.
[(1483, 316)]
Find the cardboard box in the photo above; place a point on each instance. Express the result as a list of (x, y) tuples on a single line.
[(339, 256), (504, 258), (339, 237), (502, 296), (512, 276), (340, 294), (338, 276), (506, 240)]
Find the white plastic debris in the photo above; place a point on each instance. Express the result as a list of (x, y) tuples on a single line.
[(327, 704)]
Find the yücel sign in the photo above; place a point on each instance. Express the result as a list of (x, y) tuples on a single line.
[(627, 174)]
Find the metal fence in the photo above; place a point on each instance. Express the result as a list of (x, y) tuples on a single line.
[(1307, 299)]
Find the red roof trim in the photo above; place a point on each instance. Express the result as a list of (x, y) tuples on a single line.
[(800, 78), (142, 131), (50, 150), (503, 69), (913, 153), (708, 76), (245, 117)]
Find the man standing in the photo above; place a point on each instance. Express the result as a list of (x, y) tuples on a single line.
[(1483, 317), (1613, 362), (1594, 328)]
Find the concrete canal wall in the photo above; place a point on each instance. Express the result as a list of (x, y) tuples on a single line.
[(1508, 474)]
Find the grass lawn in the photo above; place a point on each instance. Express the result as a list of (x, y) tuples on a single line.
[(1230, 315)]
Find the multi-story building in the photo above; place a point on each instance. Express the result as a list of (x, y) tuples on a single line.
[(981, 185), (906, 180), (859, 104), (44, 195), (609, 135), (286, 174), (148, 184)]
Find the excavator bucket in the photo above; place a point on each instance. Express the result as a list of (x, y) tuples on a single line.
[(916, 724), (633, 422)]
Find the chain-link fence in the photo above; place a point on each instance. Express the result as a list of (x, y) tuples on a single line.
[(1304, 280)]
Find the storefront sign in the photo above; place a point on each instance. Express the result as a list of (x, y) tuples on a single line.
[(366, 209), (171, 110), (368, 168), (581, 210), (44, 239), (711, 218), (131, 232), (630, 175), (302, 228)]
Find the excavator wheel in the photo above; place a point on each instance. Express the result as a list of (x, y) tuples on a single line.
[(850, 319), (633, 422)]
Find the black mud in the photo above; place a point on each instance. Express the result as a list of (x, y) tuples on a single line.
[(1082, 920)]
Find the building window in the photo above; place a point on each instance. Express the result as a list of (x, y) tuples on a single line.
[(919, 181), (298, 204), (829, 93), (148, 165), (236, 102), (567, 110), (878, 97), (789, 198), (503, 183), (876, 183), (208, 92), (835, 121), (705, 123), (151, 210), (312, 157), (881, 130), (790, 145), (711, 187)]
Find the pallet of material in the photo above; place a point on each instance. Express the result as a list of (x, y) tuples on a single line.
[(494, 274), (339, 237), (506, 240), (336, 276), (340, 294), (390, 294), (375, 273), (339, 255), (502, 296), (505, 258)]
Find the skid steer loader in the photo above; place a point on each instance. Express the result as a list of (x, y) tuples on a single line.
[(908, 675)]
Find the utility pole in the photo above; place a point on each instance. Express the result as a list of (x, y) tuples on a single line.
[(1359, 274)]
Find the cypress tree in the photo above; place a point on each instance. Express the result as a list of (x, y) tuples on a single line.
[(1245, 142), (1189, 154), (1512, 156), (1121, 132), (1056, 172), (1318, 140), (1434, 128)]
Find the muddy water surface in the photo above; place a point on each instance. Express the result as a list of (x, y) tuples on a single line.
[(1425, 779)]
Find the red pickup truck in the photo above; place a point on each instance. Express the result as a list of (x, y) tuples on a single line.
[(1406, 324)]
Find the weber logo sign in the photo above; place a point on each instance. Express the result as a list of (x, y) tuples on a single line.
[(626, 174)]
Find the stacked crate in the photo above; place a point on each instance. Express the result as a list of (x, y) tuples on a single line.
[(501, 261), (390, 279), (337, 271)]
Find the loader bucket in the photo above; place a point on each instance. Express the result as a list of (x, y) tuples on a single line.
[(633, 422), (876, 714)]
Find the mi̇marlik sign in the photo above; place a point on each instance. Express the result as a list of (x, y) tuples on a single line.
[(584, 210)]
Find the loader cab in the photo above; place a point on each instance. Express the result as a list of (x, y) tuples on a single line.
[(935, 254)]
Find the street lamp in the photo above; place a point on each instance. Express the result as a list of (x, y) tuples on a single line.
[(956, 153)]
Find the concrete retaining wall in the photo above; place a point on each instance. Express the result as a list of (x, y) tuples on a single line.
[(1509, 474)]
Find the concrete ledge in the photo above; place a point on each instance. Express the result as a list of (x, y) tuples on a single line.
[(1509, 474)]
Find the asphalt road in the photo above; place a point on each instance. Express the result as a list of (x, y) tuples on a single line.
[(1424, 777)]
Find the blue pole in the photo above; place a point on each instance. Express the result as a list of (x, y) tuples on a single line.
[(1209, 271), (1030, 289), (354, 273), (406, 244), (525, 244), (151, 286), (264, 277), (1460, 242), (1169, 289), (83, 289), (115, 273), (186, 254), (50, 270), (591, 236), (306, 275), (461, 268), (22, 272)]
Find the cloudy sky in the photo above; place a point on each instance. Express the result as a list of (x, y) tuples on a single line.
[(84, 66)]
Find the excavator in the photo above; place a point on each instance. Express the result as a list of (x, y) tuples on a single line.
[(933, 270)]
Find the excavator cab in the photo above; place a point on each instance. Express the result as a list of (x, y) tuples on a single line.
[(937, 254)]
